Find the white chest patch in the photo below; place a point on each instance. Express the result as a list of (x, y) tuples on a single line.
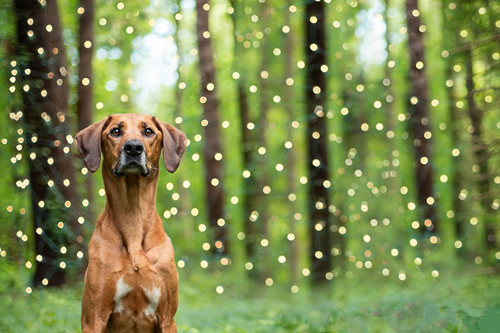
[(153, 297), (122, 289)]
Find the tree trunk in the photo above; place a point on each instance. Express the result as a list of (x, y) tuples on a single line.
[(388, 75), (185, 201), (389, 107), (457, 177), (85, 81), (291, 156), (261, 166), (250, 226), (85, 50), (45, 97), (213, 180), (480, 152), (318, 163), (419, 121), (248, 143)]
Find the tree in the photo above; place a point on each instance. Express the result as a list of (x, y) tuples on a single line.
[(457, 174), (291, 157), (420, 120), (85, 51), (260, 167), (45, 98), (389, 107), (480, 150), (213, 165), (248, 145), (470, 42), (85, 78), (316, 137), (184, 204)]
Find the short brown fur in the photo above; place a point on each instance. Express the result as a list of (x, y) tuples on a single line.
[(129, 242)]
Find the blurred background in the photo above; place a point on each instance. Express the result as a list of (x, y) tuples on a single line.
[(336, 148)]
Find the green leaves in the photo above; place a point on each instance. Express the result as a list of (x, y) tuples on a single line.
[(450, 305)]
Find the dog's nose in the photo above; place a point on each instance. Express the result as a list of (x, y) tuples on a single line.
[(133, 148)]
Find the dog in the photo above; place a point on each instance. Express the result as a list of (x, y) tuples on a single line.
[(131, 282)]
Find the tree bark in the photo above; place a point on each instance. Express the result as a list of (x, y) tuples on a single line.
[(85, 82), (480, 153), (86, 51), (261, 167), (420, 120), (248, 143), (185, 201), (388, 74), (389, 106), (45, 98), (316, 135), (291, 156), (457, 176), (250, 227), (214, 193)]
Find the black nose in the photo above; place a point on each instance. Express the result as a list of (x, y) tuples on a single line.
[(133, 148)]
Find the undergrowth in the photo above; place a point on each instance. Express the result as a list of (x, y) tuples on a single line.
[(451, 303)]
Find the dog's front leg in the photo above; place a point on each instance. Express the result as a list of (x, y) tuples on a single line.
[(172, 328), (92, 324), (97, 305), (167, 310), (94, 320)]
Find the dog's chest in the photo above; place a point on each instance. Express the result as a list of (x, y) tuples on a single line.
[(137, 297)]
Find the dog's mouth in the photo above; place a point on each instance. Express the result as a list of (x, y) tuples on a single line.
[(132, 165)]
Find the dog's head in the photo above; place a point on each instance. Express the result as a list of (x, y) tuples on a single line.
[(130, 144)]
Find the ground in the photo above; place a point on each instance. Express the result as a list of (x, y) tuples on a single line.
[(468, 302)]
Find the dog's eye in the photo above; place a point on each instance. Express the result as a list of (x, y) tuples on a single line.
[(148, 132), (115, 132)]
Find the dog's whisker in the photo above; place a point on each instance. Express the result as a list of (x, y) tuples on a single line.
[(152, 166)]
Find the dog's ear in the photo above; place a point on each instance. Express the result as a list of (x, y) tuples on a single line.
[(174, 145), (88, 144)]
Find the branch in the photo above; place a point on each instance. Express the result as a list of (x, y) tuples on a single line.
[(470, 46)]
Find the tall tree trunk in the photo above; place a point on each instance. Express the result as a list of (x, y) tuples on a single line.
[(389, 106), (45, 97), (291, 156), (457, 177), (480, 152), (250, 226), (184, 203), (86, 51), (262, 161), (361, 136), (419, 122), (248, 143), (388, 75), (213, 176), (85, 81), (353, 135), (318, 163)]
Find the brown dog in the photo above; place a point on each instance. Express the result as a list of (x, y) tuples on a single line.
[(131, 281)]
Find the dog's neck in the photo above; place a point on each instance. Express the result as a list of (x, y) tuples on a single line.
[(131, 204), (130, 194)]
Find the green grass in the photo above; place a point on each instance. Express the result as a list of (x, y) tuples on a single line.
[(451, 303)]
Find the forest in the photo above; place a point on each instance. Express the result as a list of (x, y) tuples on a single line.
[(342, 170)]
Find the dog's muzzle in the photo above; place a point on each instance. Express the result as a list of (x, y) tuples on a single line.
[(132, 159)]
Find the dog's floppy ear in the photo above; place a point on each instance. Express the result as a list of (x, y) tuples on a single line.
[(174, 145), (88, 144)]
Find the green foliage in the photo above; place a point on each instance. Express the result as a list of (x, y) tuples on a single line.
[(372, 170), (44, 310), (467, 303)]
